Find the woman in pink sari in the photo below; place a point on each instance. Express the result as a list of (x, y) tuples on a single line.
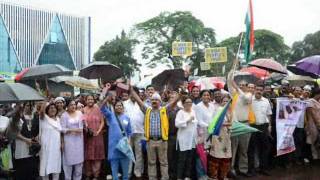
[(94, 144)]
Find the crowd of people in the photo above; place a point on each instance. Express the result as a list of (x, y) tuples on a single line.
[(75, 138)]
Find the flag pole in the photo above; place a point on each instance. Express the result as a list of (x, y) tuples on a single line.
[(236, 61), (240, 43)]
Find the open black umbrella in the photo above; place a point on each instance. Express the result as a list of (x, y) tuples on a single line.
[(275, 78), (171, 78), (101, 70), (17, 92), (42, 72)]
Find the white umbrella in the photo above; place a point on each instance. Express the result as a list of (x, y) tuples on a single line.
[(298, 80), (77, 81)]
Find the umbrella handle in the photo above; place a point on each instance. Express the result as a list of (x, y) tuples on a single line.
[(37, 85), (47, 88)]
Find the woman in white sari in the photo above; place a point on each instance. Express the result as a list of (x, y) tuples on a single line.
[(50, 140)]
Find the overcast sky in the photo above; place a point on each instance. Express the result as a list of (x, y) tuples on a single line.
[(292, 19)]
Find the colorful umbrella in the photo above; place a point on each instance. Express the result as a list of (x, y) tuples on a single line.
[(239, 128), (201, 151), (17, 92), (42, 72), (209, 83), (259, 73), (269, 65), (309, 66)]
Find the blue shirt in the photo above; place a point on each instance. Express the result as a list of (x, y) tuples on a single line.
[(115, 133), (155, 124)]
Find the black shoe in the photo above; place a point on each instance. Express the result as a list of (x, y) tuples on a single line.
[(232, 175), (265, 173), (248, 174)]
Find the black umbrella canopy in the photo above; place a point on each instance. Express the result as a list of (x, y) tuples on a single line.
[(101, 70), (17, 92), (172, 78), (275, 78), (43, 72)]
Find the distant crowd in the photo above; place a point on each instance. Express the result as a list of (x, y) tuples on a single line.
[(83, 137)]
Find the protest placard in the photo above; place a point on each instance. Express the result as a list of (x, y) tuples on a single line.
[(215, 55), (287, 117), (204, 66), (181, 48)]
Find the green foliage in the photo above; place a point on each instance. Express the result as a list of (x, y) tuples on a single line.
[(270, 45), (267, 45), (119, 52), (159, 32), (308, 47)]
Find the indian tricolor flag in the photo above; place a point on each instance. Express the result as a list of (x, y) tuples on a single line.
[(249, 38)]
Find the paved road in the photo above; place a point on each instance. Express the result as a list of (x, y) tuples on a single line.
[(306, 172)]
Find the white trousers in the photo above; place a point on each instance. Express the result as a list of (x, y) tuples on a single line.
[(77, 173)]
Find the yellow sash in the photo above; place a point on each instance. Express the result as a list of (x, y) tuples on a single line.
[(251, 116)]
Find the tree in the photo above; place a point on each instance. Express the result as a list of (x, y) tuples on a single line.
[(159, 32), (309, 46), (270, 45), (267, 45), (119, 52)]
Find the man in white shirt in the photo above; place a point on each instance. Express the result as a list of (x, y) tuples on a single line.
[(133, 111), (259, 142), (242, 97)]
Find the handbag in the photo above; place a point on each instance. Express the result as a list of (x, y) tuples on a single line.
[(34, 148), (123, 145), (89, 132)]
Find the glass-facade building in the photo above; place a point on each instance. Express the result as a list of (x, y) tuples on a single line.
[(31, 36)]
